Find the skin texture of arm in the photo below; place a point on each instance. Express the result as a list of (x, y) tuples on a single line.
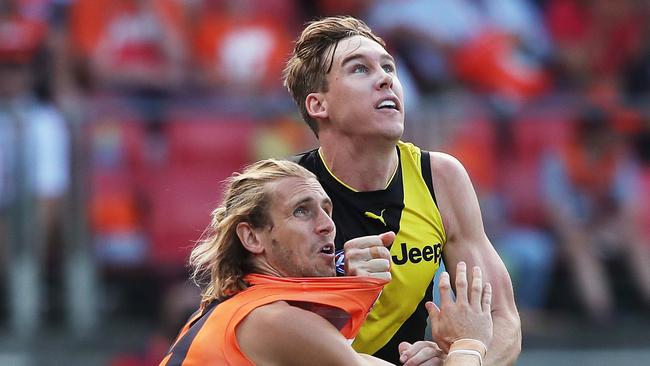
[(293, 336), (467, 241)]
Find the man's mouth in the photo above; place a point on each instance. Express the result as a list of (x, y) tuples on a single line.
[(327, 249), (388, 103)]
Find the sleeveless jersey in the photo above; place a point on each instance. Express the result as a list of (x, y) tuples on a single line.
[(407, 207), (209, 337)]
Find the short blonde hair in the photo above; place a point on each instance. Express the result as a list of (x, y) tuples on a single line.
[(219, 261), (306, 70)]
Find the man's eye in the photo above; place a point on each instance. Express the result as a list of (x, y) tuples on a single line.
[(300, 211), (389, 68), (360, 68)]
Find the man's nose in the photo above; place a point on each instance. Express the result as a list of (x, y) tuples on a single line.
[(325, 223), (385, 80)]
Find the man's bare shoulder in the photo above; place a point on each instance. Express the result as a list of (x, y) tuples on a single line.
[(274, 314), (454, 191), (282, 318), (286, 327), (446, 168)]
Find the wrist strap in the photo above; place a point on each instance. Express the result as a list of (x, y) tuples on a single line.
[(467, 352), (469, 344)]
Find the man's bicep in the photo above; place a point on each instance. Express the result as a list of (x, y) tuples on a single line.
[(481, 253), (287, 335), (466, 238)]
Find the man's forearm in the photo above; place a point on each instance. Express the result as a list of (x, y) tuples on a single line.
[(505, 346), (373, 361), (462, 360)]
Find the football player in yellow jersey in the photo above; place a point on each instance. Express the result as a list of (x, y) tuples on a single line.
[(346, 86)]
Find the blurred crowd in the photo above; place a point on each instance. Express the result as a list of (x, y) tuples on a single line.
[(139, 108)]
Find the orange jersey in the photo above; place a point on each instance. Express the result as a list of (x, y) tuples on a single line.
[(209, 337)]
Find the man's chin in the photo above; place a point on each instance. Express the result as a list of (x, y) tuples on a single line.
[(392, 133), (326, 273)]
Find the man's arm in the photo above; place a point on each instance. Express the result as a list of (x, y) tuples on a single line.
[(465, 323), (281, 334), (467, 241)]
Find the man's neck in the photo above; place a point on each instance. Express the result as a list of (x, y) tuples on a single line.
[(264, 268), (362, 166)]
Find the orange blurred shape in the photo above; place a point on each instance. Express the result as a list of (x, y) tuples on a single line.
[(490, 63)]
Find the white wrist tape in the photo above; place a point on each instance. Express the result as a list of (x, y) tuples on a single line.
[(468, 341), (468, 352)]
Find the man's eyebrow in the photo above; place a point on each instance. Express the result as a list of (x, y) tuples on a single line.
[(388, 56), (325, 201), (355, 56), (302, 201), (351, 57)]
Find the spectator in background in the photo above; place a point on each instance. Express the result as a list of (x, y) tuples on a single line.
[(133, 50), (481, 43), (641, 143), (240, 46), (34, 140), (594, 41), (590, 187), (636, 77), (136, 47), (44, 133), (524, 244), (508, 189)]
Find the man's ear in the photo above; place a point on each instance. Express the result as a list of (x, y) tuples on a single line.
[(316, 106), (249, 238)]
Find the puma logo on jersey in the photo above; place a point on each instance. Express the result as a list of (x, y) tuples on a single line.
[(379, 217)]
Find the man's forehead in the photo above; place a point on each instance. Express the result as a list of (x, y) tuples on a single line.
[(291, 188), (361, 46)]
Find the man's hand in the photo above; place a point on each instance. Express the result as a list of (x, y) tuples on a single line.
[(421, 353), (369, 256), (469, 316)]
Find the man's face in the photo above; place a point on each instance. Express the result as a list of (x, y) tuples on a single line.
[(300, 242), (365, 96)]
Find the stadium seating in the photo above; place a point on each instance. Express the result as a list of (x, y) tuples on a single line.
[(182, 192)]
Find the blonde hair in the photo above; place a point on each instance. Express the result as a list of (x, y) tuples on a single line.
[(305, 71), (219, 261)]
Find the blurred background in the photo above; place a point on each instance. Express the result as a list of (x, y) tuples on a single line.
[(119, 119)]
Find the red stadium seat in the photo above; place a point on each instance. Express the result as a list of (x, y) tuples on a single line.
[(205, 141), (183, 192), (522, 185), (537, 134), (179, 209), (642, 211)]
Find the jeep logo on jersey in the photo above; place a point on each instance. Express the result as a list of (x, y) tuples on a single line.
[(415, 255), (339, 262)]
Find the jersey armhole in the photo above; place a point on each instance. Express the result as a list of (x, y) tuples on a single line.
[(425, 162), (181, 346)]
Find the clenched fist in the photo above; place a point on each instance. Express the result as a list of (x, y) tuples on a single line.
[(369, 256)]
